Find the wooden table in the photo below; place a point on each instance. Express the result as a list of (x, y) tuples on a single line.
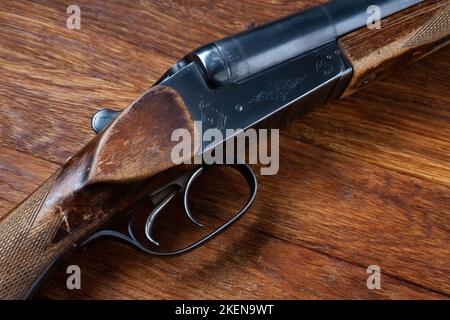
[(364, 181)]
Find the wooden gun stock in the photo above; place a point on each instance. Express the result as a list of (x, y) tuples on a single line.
[(101, 181), (402, 39)]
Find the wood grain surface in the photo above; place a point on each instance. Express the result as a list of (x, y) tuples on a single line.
[(108, 177), (363, 181)]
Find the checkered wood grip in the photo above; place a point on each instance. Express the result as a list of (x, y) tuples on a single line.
[(401, 40)]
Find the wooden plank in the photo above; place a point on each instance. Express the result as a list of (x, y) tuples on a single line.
[(362, 213), (120, 51)]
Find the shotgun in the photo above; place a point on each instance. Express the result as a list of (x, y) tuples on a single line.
[(259, 78)]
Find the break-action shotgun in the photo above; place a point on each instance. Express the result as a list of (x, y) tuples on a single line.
[(259, 77)]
